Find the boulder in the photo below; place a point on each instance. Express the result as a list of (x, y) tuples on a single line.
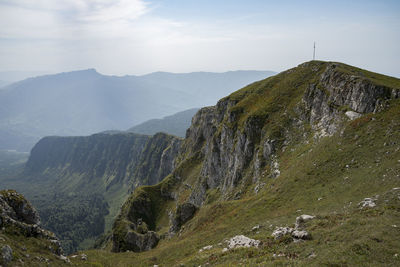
[(301, 234), (367, 203), (300, 220), (241, 241), (281, 231)]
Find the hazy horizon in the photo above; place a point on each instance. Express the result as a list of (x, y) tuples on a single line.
[(140, 37)]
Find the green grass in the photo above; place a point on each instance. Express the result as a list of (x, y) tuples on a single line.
[(343, 235)]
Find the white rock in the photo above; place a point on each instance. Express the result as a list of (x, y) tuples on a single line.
[(206, 248), (302, 219), (367, 203), (312, 255), (301, 234), (281, 231), (225, 249), (255, 228), (240, 241), (64, 258), (352, 115)]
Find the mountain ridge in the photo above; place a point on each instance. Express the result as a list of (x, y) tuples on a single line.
[(89, 102), (235, 153), (175, 124)]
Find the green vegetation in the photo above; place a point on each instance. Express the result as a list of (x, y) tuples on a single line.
[(73, 218)]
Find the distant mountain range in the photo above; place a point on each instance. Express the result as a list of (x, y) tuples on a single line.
[(86, 102), (9, 77), (175, 124)]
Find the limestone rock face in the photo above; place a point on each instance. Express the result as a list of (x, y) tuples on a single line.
[(110, 159), (18, 208), (228, 150), (337, 89), (17, 212)]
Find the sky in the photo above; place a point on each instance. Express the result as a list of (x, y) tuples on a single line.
[(122, 37)]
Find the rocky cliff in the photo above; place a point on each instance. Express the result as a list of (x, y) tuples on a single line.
[(95, 171), (234, 148), (110, 158), (19, 220)]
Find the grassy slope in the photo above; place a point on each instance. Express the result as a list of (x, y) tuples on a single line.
[(341, 170), (342, 233)]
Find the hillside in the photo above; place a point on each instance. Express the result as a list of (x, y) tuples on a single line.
[(175, 124), (85, 102), (320, 140), (78, 184)]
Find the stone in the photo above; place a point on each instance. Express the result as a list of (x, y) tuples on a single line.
[(84, 257), (206, 248), (300, 220), (352, 115), (301, 234), (281, 231), (367, 203), (6, 254), (255, 228), (65, 259), (241, 241)]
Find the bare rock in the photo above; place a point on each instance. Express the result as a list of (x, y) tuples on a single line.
[(281, 231), (301, 234), (300, 220), (6, 255), (367, 203), (206, 248), (352, 115), (241, 241)]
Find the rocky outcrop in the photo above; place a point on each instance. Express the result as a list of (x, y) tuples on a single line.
[(337, 88), (137, 242), (184, 213), (241, 241), (297, 233), (18, 214)]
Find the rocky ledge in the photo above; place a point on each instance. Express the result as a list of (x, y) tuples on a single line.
[(18, 216)]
